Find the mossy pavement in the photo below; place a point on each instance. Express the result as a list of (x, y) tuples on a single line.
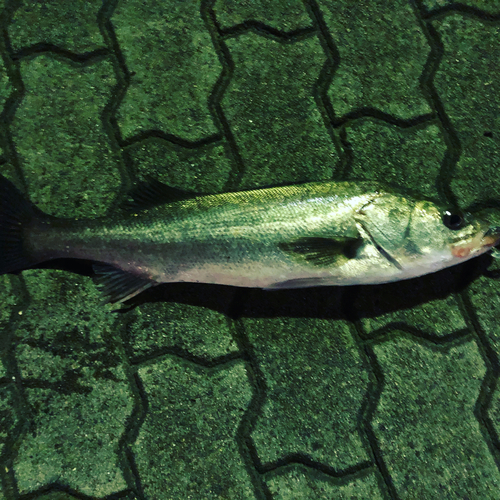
[(211, 392)]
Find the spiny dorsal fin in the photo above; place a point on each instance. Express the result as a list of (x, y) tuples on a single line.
[(322, 251), (151, 193)]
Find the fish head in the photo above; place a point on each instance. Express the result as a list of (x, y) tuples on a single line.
[(420, 236), (449, 236)]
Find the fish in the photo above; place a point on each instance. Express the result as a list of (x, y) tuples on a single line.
[(297, 236)]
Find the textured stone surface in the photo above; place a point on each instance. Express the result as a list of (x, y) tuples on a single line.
[(425, 423), (198, 391), (196, 331), (202, 170), (174, 67), (59, 136), (284, 16), (470, 94), (302, 482), (67, 25), (270, 107), (303, 413), (487, 6), (77, 392), (395, 156), (367, 35), (186, 445)]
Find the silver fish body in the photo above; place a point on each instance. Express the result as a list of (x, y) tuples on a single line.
[(324, 233)]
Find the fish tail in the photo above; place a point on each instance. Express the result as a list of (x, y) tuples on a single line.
[(16, 216)]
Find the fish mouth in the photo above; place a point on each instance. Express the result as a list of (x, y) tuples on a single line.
[(491, 237), (479, 244)]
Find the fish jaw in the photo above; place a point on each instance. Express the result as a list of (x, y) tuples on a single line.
[(477, 246)]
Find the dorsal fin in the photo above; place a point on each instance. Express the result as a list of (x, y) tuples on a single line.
[(151, 193)]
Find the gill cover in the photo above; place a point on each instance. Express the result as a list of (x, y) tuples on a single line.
[(386, 221)]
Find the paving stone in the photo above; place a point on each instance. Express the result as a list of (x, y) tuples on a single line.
[(74, 443), (8, 417), (367, 35), (283, 16), (470, 95), (8, 300), (202, 170), (76, 389), (425, 306), (5, 89), (494, 410), (186, 447), (488, 6), (68, 25), (483, 293), (173, 65), (316, 382), (197, 331), (270, 107), (62, 495), (396, 156), (56, 495), (425, 424), (297, 481), (59, 121)]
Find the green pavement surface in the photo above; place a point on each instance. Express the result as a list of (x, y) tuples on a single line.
[(212, 392)]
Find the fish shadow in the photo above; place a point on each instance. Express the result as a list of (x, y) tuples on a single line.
[(328, 302)]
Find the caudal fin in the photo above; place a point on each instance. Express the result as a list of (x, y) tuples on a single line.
[(16, 214)]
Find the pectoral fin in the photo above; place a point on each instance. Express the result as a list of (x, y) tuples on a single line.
[(322, 251)]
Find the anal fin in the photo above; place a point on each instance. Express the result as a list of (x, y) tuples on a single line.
[(117, 285)]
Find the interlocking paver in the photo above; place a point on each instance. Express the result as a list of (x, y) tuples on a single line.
[(303, 412), (58, 122), (297, 481), (8, 417), (425, 423), (388, 153), (6, 89), (202, 169), (67, 25), (173, 68), (197, 331), (487, 6), (9, 299), (283, 16), (468, 89), (482, 292), (367, 35), (271, 110), (186, 447), (76, 389), (429, 316)]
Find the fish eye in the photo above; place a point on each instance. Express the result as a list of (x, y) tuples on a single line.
[(453, 220)]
